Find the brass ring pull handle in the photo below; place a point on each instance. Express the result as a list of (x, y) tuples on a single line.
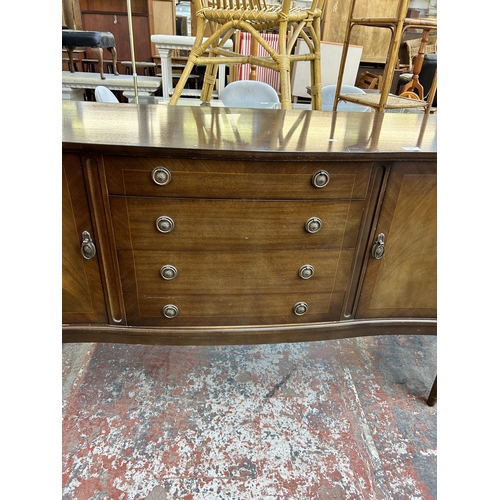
[(168, 272), (165, 224), (313, 225), (170, 311), (300, 308), (88, 247), (378, 249), (320, 179), (161, 176), (306, 271)]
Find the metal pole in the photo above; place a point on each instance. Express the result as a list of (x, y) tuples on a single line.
[(132, 51)]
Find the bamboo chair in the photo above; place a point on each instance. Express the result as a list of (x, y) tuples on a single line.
[(224, 17), (397, 24)]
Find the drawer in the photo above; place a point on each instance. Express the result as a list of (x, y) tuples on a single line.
[(133, 176), (222, 225), (233, 272), (232, 309)]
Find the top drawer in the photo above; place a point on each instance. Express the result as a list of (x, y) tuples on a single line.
[(191, 178)]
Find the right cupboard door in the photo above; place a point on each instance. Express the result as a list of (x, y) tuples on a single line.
[(401, 277)]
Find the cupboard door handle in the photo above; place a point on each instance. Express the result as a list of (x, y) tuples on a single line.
[(165, 224), (320, 179), (313, 225), (161, 176), (88, 247), (378, 249)]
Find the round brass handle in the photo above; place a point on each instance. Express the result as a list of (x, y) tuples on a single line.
[(165, 224), (168, 272), (300, 308), (313, 225), (306, 271), (161, 176), (320, 179), (170, 311)]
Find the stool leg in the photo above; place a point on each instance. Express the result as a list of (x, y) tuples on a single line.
[(71, 61), (114, 58), (98, 52)]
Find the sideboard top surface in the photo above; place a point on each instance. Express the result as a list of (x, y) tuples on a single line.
[(252, 133)]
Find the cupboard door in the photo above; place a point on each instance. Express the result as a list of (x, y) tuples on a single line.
[(82, 291), (403, 282)]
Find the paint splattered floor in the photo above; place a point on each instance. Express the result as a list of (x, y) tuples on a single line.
[(342, 419)]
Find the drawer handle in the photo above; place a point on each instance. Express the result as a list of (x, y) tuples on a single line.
[(170, 311), (378, 249), (313, 225), (88, 247), (165, 224), (306, 271), (300, 308), (161, 176), (168, 272), (320, 179)]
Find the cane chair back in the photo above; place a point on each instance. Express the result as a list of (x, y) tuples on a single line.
[(225, 17)]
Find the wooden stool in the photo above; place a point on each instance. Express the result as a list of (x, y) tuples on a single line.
[(96, 40)]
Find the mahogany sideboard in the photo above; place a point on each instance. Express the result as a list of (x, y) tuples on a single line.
[(192, 225)]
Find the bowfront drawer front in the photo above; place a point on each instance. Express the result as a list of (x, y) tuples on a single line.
[(204, 273), (233, 309), (144, 176), (222, 225)]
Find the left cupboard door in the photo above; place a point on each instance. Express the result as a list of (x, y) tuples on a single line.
[(82, 291)]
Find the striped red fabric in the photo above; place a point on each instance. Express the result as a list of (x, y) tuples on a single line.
[(262, 74)]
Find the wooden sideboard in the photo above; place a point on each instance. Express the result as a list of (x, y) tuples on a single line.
[(197, 225)]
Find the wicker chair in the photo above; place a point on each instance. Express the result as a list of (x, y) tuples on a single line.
[(254, 16)]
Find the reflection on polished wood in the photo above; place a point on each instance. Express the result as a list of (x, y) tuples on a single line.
[(222, 131)]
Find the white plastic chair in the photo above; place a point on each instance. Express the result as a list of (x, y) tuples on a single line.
[(328, 96), (249, 94), (103, 94)]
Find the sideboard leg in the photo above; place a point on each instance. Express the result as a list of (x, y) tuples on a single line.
[(431, 400)]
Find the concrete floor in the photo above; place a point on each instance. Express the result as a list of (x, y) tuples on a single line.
[(342, 419)]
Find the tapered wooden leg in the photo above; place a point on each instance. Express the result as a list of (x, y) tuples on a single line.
[(114, 58), (431, 400), (98, 52), (71, 61)]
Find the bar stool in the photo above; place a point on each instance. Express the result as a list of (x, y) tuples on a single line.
[(254, 16), (397, 24)]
